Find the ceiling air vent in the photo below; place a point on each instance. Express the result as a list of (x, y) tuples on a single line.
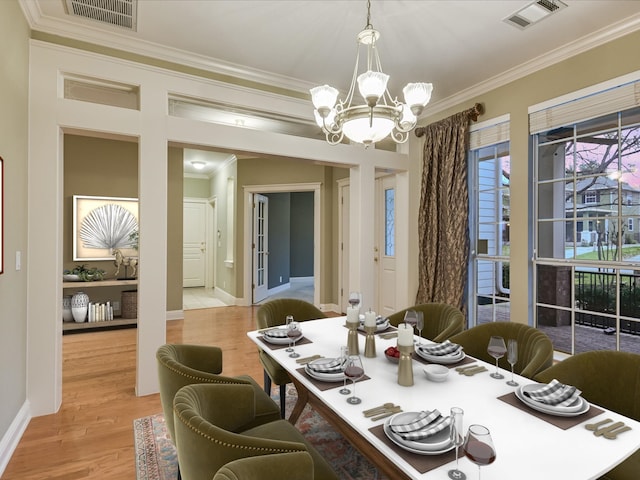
[(534, 12), (119, 13)]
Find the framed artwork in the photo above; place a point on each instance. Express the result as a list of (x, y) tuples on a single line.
[(1, 215), (103, 224)]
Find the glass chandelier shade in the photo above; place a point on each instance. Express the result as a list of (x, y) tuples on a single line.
[(381, 115)]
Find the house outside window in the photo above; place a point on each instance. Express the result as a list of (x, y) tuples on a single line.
[(587, 254), (489, 222)]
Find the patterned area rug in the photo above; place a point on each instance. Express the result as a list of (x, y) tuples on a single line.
[(156, 456)]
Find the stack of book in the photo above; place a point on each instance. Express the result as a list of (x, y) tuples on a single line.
[(100, 312)]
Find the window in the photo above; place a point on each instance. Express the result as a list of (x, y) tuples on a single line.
[(489, 215), (586, 296), (389, 222)]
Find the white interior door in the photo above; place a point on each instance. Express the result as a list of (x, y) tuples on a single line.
[(344, 247), (260, 247), (385, 255), (194, 243)]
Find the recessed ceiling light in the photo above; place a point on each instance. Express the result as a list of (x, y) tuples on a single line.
[(198, 165)]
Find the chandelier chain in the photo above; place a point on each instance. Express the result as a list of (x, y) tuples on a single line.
[(368, 26)]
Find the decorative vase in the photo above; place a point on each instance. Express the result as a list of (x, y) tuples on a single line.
[(79, 306), (67, 315)]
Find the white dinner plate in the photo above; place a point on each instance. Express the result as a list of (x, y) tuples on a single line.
[(324, 377), (279, 340), (379, 327), (433, 445), (442, 359), (581, 405)]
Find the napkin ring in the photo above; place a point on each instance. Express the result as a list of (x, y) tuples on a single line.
[(352, 338), (405, 366), (370, 342)]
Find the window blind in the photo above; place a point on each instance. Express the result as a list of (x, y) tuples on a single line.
[(489, 132), (612, 100)]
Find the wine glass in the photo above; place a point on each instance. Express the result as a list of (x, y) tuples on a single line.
[(344, 354), (293, 332), (512, 358), (355, 371), (457, 438), (411, 317), (496, 349), (478, 446), (355, 299), (288, 320), (420, 325)]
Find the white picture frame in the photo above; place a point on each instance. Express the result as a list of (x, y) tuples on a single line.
[(102, 224)]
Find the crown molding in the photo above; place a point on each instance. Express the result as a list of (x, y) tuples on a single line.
[(558, 55), (116, 40)]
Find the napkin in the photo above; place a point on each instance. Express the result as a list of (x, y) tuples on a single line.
[(335, 366), (441, 349), (276, 333), (421, 421), (425, 425), (555, 393)]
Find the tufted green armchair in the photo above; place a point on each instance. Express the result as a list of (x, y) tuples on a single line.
[(272, 314), (180, 365), (298, 465), (441, 321), (210, 424), (610, 379), (535, 350)]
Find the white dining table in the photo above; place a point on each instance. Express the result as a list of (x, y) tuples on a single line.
[(527, 447)]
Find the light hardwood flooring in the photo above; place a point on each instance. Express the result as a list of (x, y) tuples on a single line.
[(91, 436)]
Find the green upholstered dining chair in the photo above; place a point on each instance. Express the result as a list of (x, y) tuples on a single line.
[(441, 321), (535, 349), (272, 314), (298, 465), (210, 424), (609, 379), (180, 365)]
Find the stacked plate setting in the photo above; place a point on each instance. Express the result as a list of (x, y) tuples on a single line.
[(428, 352), (333, 371), (435, 444), (278, 336), (578, 407), (381, 324)]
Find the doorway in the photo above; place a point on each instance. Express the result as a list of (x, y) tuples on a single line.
[(278, 284)]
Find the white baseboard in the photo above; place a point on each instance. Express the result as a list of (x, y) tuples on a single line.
[(329, 307), (175, 315), (300, 279), (11, 438), (278, 289), (226, 297)]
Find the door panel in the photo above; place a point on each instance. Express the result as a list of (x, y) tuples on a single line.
[(260, 247), (385, 246), (193, 244)]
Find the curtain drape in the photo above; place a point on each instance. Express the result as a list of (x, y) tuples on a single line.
[(443, 219)]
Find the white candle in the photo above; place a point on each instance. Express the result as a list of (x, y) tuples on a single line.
[(370, 319), (405, 335), (353, 315)]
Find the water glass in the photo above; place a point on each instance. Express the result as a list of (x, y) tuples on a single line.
[(288, 320), (344, 355), (496, 349), (457, 438), (512, 358)]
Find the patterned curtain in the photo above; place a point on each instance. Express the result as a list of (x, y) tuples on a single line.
[(443, 219)]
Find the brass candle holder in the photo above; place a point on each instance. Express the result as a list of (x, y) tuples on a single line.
[(370, 342), (352, 338), (405, 366)]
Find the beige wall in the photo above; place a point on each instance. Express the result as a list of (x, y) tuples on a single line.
[(273, 171), (102, 167), (600, 64), (14, 81), (197, 187)]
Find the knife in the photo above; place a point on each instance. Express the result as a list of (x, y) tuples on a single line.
[(610, 428), (388, 413)]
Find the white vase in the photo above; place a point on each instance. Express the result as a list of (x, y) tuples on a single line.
[(79, 306), (67, 315)]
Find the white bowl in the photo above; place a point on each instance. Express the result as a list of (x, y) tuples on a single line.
[(436, 373)]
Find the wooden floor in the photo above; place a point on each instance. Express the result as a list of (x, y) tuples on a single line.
[(91, 437)]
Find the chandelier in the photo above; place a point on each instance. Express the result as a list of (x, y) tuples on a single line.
[(381, 115)]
